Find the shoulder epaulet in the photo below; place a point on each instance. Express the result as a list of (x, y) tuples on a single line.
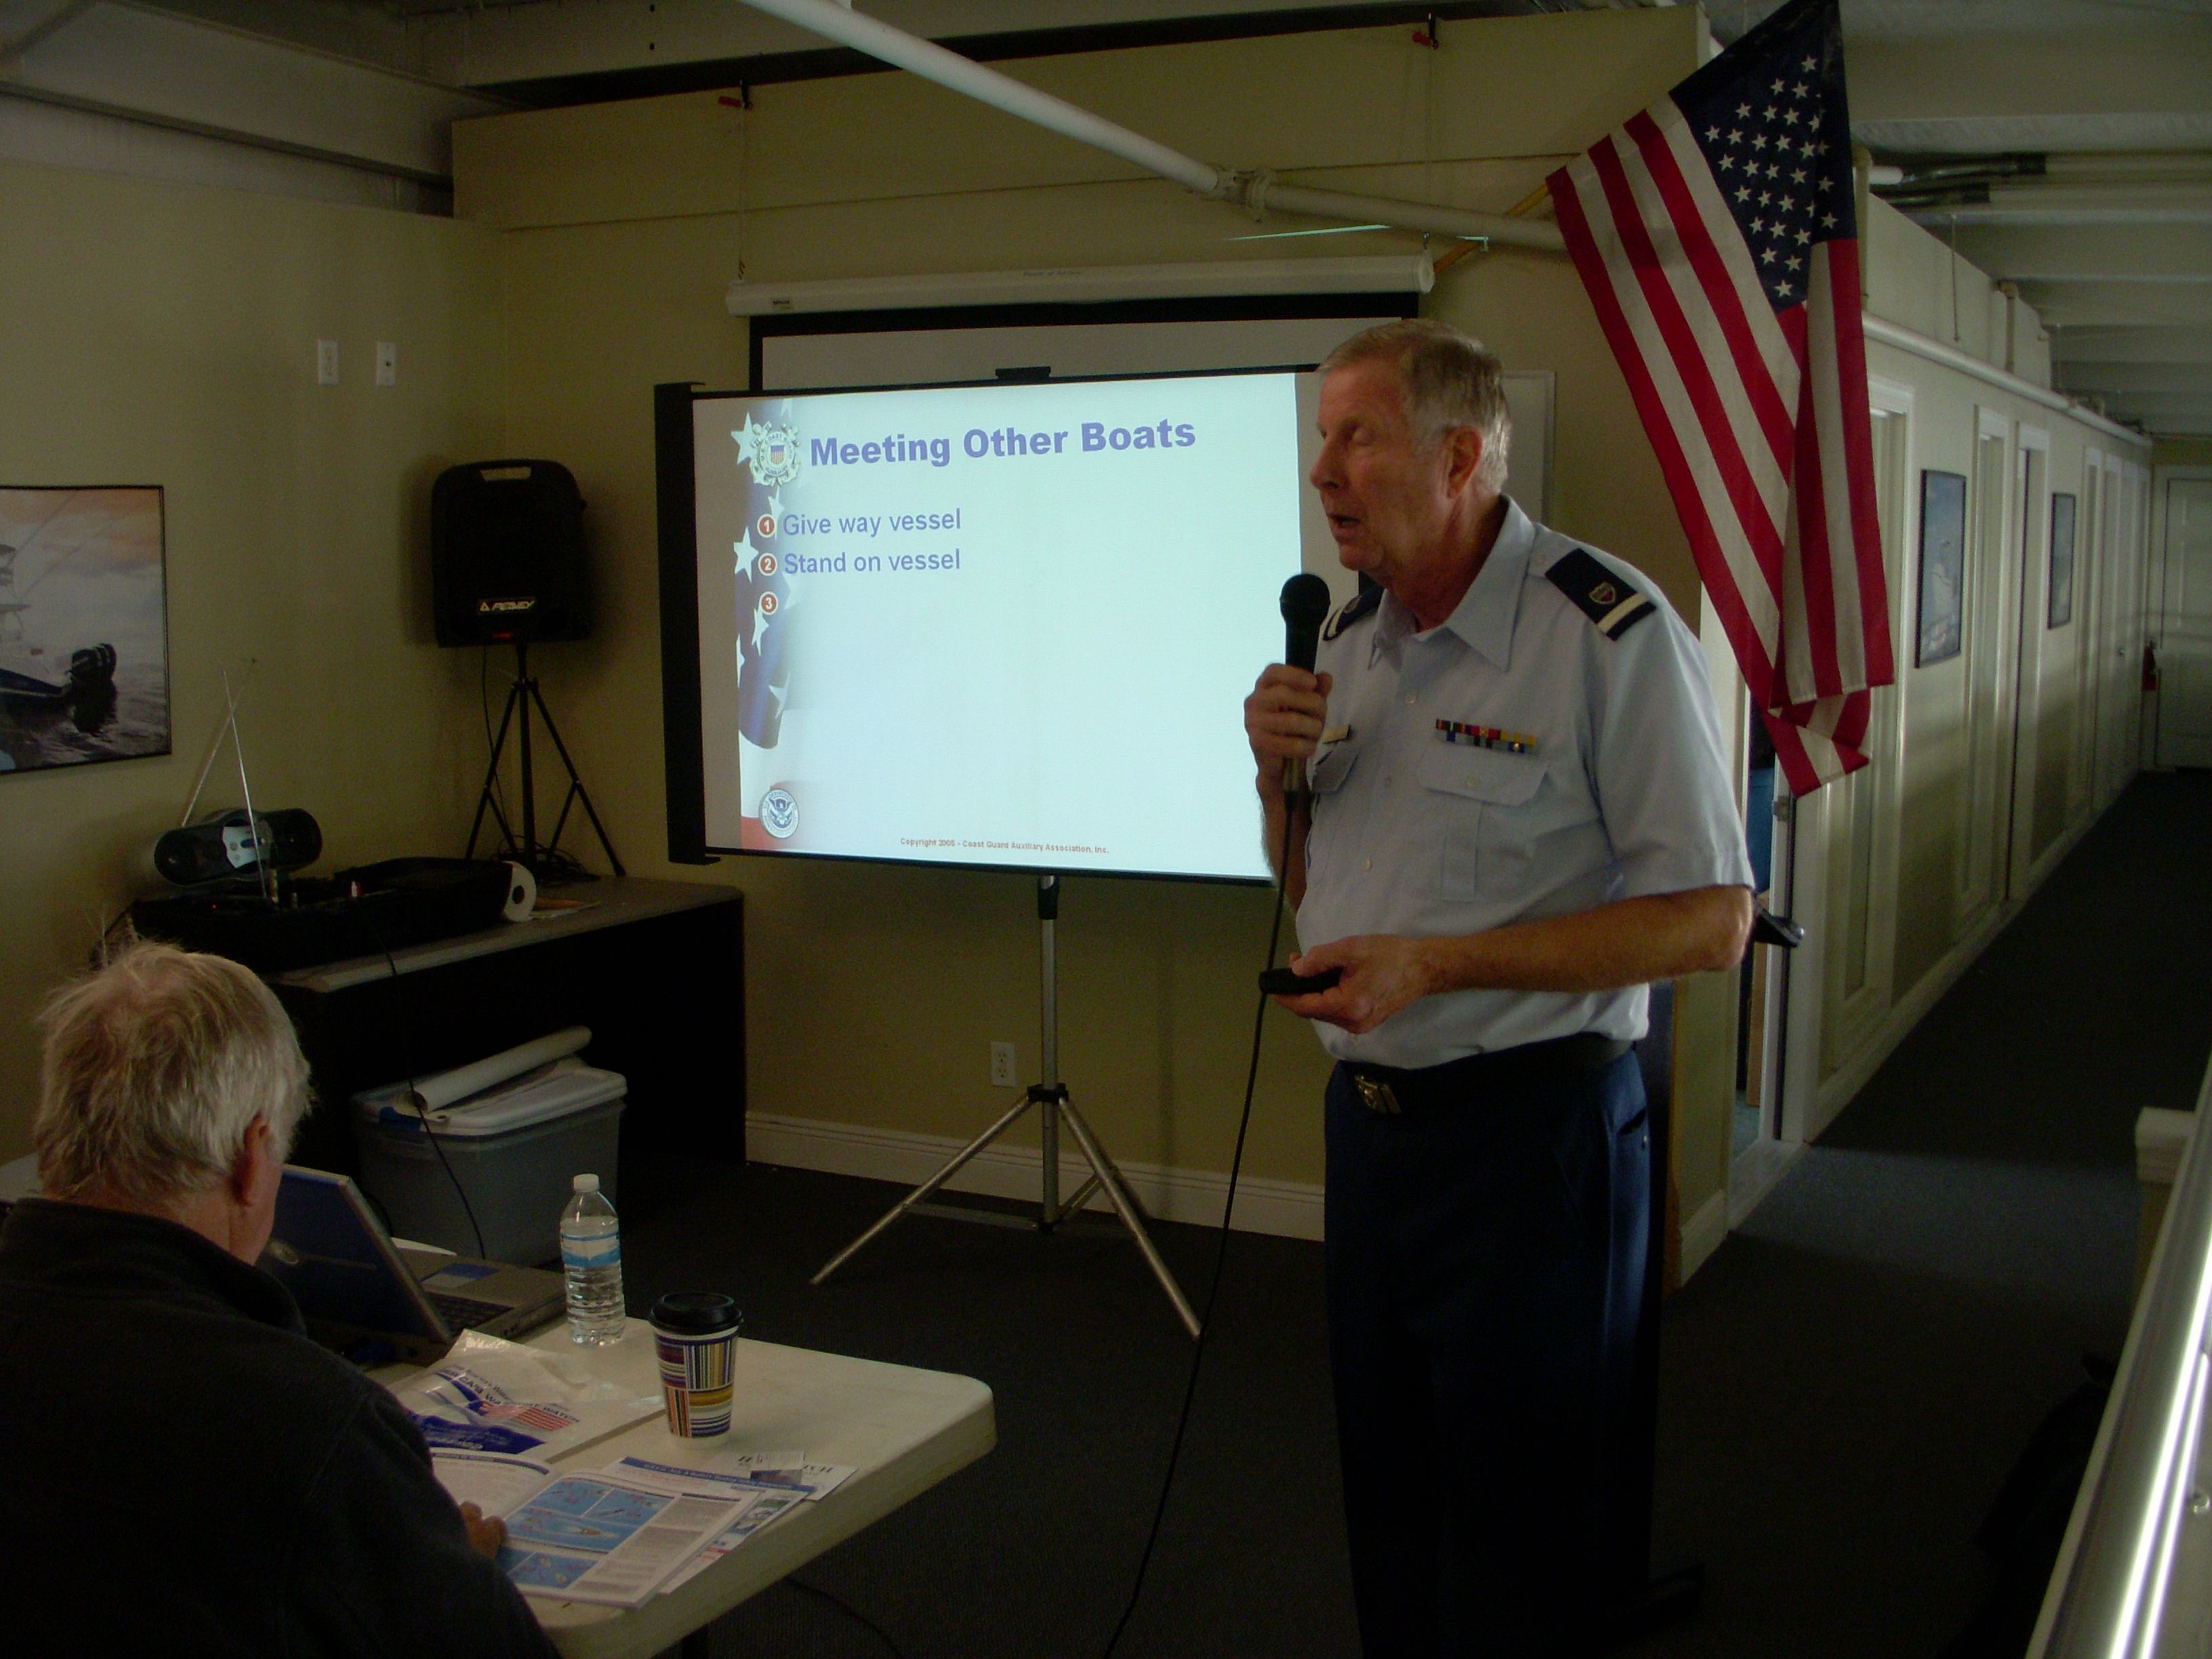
[(1361, 603), (1604, 598)]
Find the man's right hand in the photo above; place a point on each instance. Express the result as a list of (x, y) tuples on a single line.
[(1283, 720)]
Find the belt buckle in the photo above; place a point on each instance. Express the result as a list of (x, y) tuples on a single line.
[(1376, 1096)]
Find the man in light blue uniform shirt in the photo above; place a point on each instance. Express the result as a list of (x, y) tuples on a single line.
[(1517, 816)]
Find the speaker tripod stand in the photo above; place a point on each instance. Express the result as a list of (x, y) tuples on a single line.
[(521, 696), (1050, 1098)]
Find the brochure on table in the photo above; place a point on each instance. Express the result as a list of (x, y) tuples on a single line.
[(639, 1526)]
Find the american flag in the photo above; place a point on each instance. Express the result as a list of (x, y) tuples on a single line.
[(531, 1415), (1715, 234)]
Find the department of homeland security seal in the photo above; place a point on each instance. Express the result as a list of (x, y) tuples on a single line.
[(779, 812)]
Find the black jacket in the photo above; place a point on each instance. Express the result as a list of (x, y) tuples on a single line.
[(183, 1472)]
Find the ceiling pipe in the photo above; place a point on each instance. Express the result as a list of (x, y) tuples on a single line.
[(1261, 191), (1257, 191), (1959, 169)]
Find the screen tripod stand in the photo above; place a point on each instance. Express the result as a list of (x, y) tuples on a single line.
[(1051, 1100), (525, 850)]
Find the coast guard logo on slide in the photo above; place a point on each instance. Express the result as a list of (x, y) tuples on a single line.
[(779, 812), (772, 451)]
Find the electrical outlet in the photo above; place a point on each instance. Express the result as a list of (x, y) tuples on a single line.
[(1002, 1066), (326, 362), (387, 363)]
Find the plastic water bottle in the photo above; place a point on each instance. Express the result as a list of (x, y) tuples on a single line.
[(590, 1257)]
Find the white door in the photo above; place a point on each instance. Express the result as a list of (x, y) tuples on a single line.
[(2119, 694), (1992, 634), (2032, 535), (2185, 656)]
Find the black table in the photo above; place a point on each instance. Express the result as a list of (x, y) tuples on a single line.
[(656, 969)]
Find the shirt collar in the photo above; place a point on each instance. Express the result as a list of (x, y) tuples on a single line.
[(1485, 615)]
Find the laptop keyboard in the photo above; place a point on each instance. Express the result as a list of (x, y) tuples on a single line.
[(463, 1313)]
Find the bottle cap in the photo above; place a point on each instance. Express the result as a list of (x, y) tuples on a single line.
[(587, 1183)]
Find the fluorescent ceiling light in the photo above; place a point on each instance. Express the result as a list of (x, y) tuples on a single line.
[(1376, 273)]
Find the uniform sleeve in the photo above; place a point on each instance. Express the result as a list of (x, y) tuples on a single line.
[(383, 1565), (1658, 765)]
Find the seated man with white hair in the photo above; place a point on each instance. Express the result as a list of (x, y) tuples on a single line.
[(183, 1470)]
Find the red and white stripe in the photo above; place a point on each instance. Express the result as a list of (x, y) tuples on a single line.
[(1759, 421)]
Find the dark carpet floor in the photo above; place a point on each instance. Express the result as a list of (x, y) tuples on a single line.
[(1844, 1384)]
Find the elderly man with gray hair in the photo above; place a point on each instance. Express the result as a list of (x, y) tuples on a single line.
[(185, 1472), (1516, 814)]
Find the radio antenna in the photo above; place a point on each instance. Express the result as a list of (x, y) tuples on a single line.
[(264, 878), (264, 875), (227, 723)]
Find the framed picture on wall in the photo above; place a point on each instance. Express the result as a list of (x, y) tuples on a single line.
[(1942, 565), (84, 626), (2062, 561)]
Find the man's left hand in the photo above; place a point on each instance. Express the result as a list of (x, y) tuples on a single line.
[(486, 1532), (1383, 972)]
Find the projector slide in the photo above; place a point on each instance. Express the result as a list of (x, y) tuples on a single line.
[(1010, 624)]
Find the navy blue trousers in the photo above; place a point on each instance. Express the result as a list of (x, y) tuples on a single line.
[(1484, 1262)]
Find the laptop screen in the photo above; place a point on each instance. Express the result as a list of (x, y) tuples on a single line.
[(328, 1250)]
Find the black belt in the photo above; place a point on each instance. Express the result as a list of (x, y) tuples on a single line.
[(1391, 1090)]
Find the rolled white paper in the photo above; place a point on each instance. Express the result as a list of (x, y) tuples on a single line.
[(435, 1093)]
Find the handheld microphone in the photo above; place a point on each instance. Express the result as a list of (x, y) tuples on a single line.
[(1305, 605)]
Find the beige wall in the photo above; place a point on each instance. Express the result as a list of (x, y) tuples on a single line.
[(1916, 279), (873, 992), (2053, 704), (165, 335), (1912, 864), (173, 344)]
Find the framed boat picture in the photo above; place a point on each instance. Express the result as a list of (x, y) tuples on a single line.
[(2062, 561), (1943, 566), (84, 626)]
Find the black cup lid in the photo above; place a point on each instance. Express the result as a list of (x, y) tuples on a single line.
[(696, 1311)]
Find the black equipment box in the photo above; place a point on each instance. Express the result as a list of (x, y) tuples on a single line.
[(363, 912)]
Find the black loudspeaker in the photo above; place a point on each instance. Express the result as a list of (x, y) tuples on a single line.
[(507, 554)]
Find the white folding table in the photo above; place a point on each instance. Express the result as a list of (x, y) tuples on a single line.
[(900, 1430)]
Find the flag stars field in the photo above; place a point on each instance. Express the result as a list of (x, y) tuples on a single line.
[(1723, 261)]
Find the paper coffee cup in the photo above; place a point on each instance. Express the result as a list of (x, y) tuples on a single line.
[(695, 1335)]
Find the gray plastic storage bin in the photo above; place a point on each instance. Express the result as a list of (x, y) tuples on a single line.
[(515, 1157)]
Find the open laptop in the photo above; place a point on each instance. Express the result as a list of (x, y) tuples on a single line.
[(355, 1286)]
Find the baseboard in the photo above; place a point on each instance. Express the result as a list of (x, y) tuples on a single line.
[(1288, 1209), (1838, 1092), (1757, 1172), (2055, 854), (1703, 1232)]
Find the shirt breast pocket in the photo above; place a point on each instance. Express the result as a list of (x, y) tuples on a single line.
[(1325, 775), (1487, 799)]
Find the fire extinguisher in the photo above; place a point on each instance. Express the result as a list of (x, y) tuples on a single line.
[(2150, 667)]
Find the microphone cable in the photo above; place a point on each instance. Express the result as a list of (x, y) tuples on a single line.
[(1221, 1248), (407, 1061), (849, 1611)]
